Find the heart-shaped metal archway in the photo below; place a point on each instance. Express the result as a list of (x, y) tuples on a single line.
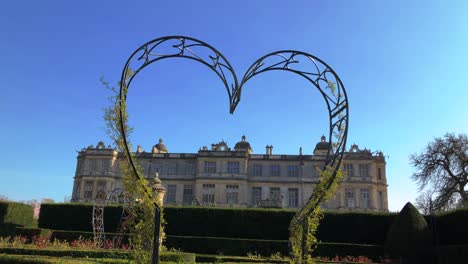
[(318, 73)]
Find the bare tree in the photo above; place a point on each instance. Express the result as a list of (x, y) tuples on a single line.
[(442, 170), (423, 202)]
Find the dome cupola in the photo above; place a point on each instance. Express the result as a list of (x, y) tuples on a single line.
[(243, 145)]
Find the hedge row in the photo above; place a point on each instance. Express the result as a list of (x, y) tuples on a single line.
[(453, 254), (16, 214), (269, 224), (7, 230), (75, 253), (243, 247), (451, 227), (226, 246), (178, 257)]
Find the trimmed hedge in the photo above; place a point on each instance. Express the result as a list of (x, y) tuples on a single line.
[(268, 224), (76, 217), (409, 237), (203, 258), (7, 230), (242, 247), (451, 227), (75, 253), (453, 254), (179, 257), (226, 246), (373, 252), (31, 232), (16, 213)]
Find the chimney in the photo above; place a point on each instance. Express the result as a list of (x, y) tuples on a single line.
[(271, 149), (267, 150)]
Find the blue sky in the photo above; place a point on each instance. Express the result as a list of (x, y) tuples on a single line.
[(403, 64)]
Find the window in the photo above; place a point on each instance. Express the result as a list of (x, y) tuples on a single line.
[(256, 195), (275, 170), (380, 200), (101, 186), (188, 169), (363, 170), (171, 193), (77, 189), (149, 169), (257, 170), (349, 198), (208, 193), (293, 197), (171, 169), (348, 168), (188, 194), (78, 166), (210, 167), (106, 164), (293, 171), (233, 167), (88, 192), (379, 173), (232, 194), (364, 198), (275, 193)]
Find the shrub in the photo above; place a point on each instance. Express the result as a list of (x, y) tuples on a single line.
[(178, 257), (268, 224), (226, 246), (7, 230), (453, 254), (332, 250), (75, 253), (32, 232), (409, 236), (17, 214), (451, 227), (204, 258)]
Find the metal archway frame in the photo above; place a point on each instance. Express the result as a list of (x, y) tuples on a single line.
[(322, 76)]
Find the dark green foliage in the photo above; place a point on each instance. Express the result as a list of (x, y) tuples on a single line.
[(178, 257), (451, 227), (409, 236), (226, 246), (15, 259), (75, 253), (373, 252), (31, 232), (204, 258), (355, 227), (17, 214), (29, 259), (453, 254), (242, 247), (7, 230), (76, 217), (76, 235), (267, 224), (235, 223)]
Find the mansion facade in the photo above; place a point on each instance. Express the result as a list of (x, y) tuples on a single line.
[(221, 176)]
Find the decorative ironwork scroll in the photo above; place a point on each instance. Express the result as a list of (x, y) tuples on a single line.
[(330, 87), (306, 65)]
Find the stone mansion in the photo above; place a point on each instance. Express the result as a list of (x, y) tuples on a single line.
[(221, 176)]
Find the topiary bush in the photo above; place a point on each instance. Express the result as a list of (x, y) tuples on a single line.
[(409, 237)]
